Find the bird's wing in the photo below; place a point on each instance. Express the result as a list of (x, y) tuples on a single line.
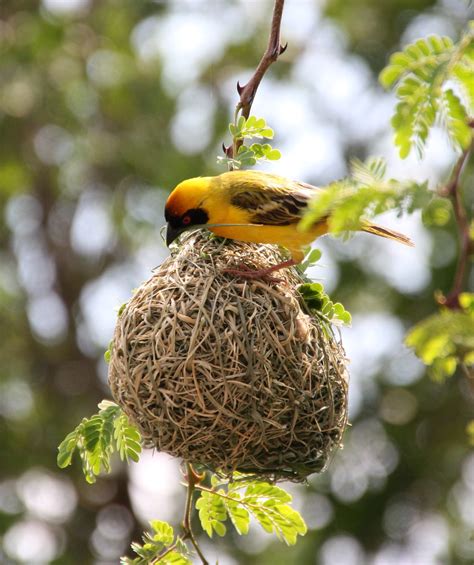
[(274, 204)]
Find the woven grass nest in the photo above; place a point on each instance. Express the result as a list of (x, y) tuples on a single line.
[(229, 373)]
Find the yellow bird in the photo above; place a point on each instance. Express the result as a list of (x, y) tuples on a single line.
[(252, 206)]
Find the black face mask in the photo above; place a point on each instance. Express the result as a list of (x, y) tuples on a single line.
[(178, 224)]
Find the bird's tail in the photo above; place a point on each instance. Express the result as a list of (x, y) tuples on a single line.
[(388, 233)]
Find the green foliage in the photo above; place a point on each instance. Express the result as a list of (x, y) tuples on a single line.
[(320, 304), (97, 438), (212, 513), (250, 155), (438, 212), (250, 128), (108, 352), (463, 71), (470, 432), (237, 501), (121, 308), (312, 256), (420, 75), (455, 118), (159, 546), (446, 340), (350, 202)]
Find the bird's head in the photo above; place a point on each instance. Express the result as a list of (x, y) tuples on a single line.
[(185, 207)]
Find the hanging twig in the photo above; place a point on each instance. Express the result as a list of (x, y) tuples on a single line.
[(193, 479), (453, 192), (248, 91)]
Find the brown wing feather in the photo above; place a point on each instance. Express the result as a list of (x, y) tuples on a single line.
[(272, 204)]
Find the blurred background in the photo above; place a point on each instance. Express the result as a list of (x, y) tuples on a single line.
[(104, 107)]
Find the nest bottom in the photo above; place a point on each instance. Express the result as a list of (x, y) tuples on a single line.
[(227, 373)]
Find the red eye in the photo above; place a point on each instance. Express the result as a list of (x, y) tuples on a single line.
[(186, 220)]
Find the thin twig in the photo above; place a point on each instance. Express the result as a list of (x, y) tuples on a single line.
[(453, 192), (274, 50), (193, 479), (168, 550), (248, 91)]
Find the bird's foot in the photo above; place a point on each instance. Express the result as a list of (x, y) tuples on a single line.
[(245, 272), (263, 274)]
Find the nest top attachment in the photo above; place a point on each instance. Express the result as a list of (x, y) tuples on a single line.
[(229, 373)]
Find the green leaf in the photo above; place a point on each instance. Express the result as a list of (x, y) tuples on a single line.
[(244, 497), (420, 74), (127, 439), (444, 340), (370, 172), (258, 490), (248, 156), (421, 59), (258, 150), (311, 258), (342, 314), (273, 155), (470, 432), (219, 528), (314, 256), (239, 516), (437, 213), (174, 558), (160, 547), (320, 304), (255, 127), (162, 532), (414, 115), (463, 72), (267, 503), (250, 123), (466, 301), (443, 367), (212, 512), (348, 204), (267, 132), (457, 120), (120, 310), (245, 157), (67, 448), (97, 438), (108, 353)]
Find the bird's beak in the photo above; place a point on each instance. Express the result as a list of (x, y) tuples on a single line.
[(172, 233)]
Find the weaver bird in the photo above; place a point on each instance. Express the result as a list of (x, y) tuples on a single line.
[(252, 206)]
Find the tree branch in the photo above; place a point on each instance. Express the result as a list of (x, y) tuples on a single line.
[(248, 91), (453, 192), (274, 50)]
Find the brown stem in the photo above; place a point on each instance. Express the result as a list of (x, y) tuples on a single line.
[(453, 191), (274, 50), (167, 551), (248, 91), (193, 479)]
